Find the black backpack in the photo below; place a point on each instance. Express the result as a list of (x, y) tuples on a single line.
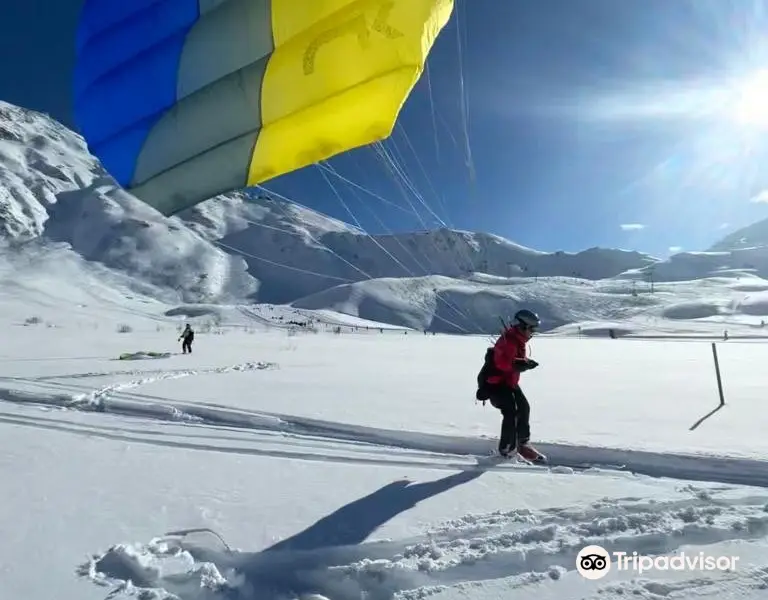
[(488, 370)]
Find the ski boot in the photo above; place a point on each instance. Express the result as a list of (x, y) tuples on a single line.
[(529, 453), (507, 452)]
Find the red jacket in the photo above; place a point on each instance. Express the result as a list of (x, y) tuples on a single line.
[(511, 345)]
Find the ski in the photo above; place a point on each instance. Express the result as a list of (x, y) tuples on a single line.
[(517, 460)]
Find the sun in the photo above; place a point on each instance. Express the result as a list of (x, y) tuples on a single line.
[(749, 103)]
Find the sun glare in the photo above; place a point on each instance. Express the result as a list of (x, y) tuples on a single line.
[(750, 102), (696, 108)]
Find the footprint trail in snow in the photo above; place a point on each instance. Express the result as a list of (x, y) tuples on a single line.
[(514, 550)]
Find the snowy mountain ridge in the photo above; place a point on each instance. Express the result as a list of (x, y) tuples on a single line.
[(52, 187), (751, 236), (39, 158), (245, 248)]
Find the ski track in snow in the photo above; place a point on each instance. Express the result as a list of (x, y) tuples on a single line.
[(313, 439), (520, 547)]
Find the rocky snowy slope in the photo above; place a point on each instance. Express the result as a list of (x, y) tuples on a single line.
[(295, 251), (751, 236), (52, 187), (39, 158), (735, 301)]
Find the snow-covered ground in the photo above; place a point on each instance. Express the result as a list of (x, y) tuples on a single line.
[(355, 466)]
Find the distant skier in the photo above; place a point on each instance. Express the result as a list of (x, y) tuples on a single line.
[(186, 338), (506, 360)]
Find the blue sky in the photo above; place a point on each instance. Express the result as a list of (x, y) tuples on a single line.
[(583, 116)]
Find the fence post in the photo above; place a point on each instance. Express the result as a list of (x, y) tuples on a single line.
[(717, 373)]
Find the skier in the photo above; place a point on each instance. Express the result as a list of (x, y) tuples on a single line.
[(508, 360), (187, 336)]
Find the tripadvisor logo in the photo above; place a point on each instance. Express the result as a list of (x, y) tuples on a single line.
[(594, 562)]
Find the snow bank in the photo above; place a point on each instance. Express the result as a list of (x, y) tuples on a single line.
[(754, 304), (691, 310)]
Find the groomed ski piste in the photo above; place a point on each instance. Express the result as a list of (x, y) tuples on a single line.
[(279, 463)]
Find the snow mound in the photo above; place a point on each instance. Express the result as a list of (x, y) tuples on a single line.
[(754, 304), (757, 286), (692, 310), (596, 329)]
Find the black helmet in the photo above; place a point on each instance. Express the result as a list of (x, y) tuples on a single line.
[(527, 318)]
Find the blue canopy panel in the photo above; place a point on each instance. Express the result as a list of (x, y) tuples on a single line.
[(126, 75)]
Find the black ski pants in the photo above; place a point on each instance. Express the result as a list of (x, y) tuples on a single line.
[(516, 416), (186, 345)]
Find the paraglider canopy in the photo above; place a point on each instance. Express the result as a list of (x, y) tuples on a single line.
[(182, 100)]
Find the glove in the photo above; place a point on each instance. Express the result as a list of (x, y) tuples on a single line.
[(525, 364)]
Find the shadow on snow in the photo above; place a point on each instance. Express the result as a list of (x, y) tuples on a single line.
[(306, 563)]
